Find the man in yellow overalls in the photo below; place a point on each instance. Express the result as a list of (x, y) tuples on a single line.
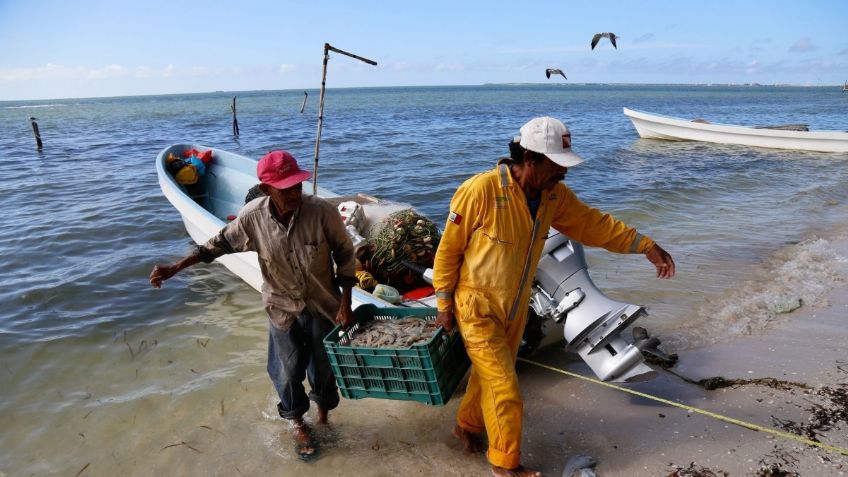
[(484, 269)]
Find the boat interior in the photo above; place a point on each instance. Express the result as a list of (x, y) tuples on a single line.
[(224, 187)]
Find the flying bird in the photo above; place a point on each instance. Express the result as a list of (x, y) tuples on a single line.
[(598, 36), (554, 71)]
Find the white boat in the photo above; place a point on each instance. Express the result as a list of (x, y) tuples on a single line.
[(225, 186), (654, 126), (562, 287)]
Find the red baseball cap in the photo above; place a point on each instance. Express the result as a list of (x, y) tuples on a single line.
[(279, 170)]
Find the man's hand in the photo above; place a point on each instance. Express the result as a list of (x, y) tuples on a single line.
[(662, 260), (161, 273), (345, 317), (446, 320)]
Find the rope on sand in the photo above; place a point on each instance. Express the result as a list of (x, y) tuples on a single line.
[(720, 417)]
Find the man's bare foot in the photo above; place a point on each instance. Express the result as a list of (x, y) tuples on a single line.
[(472, 442), (519, 471), (305, 445), (322, 415)]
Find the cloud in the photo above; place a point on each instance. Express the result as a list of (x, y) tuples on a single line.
[(287, 68), (401, 66), (48, 71), (52, 71), (450, 67), (143, 72), (548, 49), (643, 38), (843, 52), (803, 45), (110, 71)]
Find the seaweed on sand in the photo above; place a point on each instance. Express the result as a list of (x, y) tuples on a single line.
[(694, 470)]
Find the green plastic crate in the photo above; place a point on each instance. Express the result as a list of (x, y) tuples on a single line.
[(427, 373)]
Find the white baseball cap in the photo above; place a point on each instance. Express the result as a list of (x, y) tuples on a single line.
[(549, 136)]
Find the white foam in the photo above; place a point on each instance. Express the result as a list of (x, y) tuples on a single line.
[(33, 106), (806, 272)]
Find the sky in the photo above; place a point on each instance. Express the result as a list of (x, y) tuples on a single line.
[(90, 48)]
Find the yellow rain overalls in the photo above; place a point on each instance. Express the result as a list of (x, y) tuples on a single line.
[(483, 272)]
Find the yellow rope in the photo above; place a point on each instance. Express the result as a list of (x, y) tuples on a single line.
[(747, 425)]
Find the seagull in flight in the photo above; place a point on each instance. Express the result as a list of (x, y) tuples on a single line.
[(554, 71), (598, 36)]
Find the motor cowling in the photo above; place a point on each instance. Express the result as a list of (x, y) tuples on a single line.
[(563, 290)]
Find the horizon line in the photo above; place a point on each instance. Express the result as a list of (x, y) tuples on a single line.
[(557, 85)]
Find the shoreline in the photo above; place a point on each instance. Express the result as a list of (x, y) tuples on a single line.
[(642, 437), (214, 420), (209, 419)]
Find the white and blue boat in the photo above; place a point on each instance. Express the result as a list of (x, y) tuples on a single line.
[(564, 297)]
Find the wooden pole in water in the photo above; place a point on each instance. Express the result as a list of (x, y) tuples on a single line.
[(35, 133), (235, 119), (320, 119), (327, 49), (303, 105)]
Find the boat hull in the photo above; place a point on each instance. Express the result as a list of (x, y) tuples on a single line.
[(229, 176), (651, 126)]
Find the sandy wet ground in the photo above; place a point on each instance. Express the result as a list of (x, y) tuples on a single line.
[(229, 428), (564, 416), (631, 435)]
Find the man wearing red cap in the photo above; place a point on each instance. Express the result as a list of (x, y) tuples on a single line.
[(298, 238)]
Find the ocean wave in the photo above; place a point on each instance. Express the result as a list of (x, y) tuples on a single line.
[(798, 275), (33, 106)]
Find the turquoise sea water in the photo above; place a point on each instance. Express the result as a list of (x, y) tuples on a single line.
[(94, 360)]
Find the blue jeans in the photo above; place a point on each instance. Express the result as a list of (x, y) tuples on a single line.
[(297, 353)]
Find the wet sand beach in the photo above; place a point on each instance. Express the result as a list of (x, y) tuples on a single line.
[(636, 436), (235, 433)]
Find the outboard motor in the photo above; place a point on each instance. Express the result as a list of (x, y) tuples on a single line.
[(563, 290)]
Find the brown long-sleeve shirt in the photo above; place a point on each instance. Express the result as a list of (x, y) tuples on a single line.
[(296, 259)]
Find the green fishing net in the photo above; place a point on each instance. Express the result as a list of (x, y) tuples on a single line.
[(404, 236)]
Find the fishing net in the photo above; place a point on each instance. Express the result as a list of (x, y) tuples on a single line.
[(403, 245), (253, 193)]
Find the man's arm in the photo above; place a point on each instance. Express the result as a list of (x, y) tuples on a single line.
[(218, 245), (344, 316), (161, 273), (344, 257), (464, 213), (592, 227)]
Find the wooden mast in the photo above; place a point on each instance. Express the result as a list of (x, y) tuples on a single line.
[(327, 49)]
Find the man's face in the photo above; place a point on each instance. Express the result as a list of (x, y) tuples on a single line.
[(286, 200), (547, 173)]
